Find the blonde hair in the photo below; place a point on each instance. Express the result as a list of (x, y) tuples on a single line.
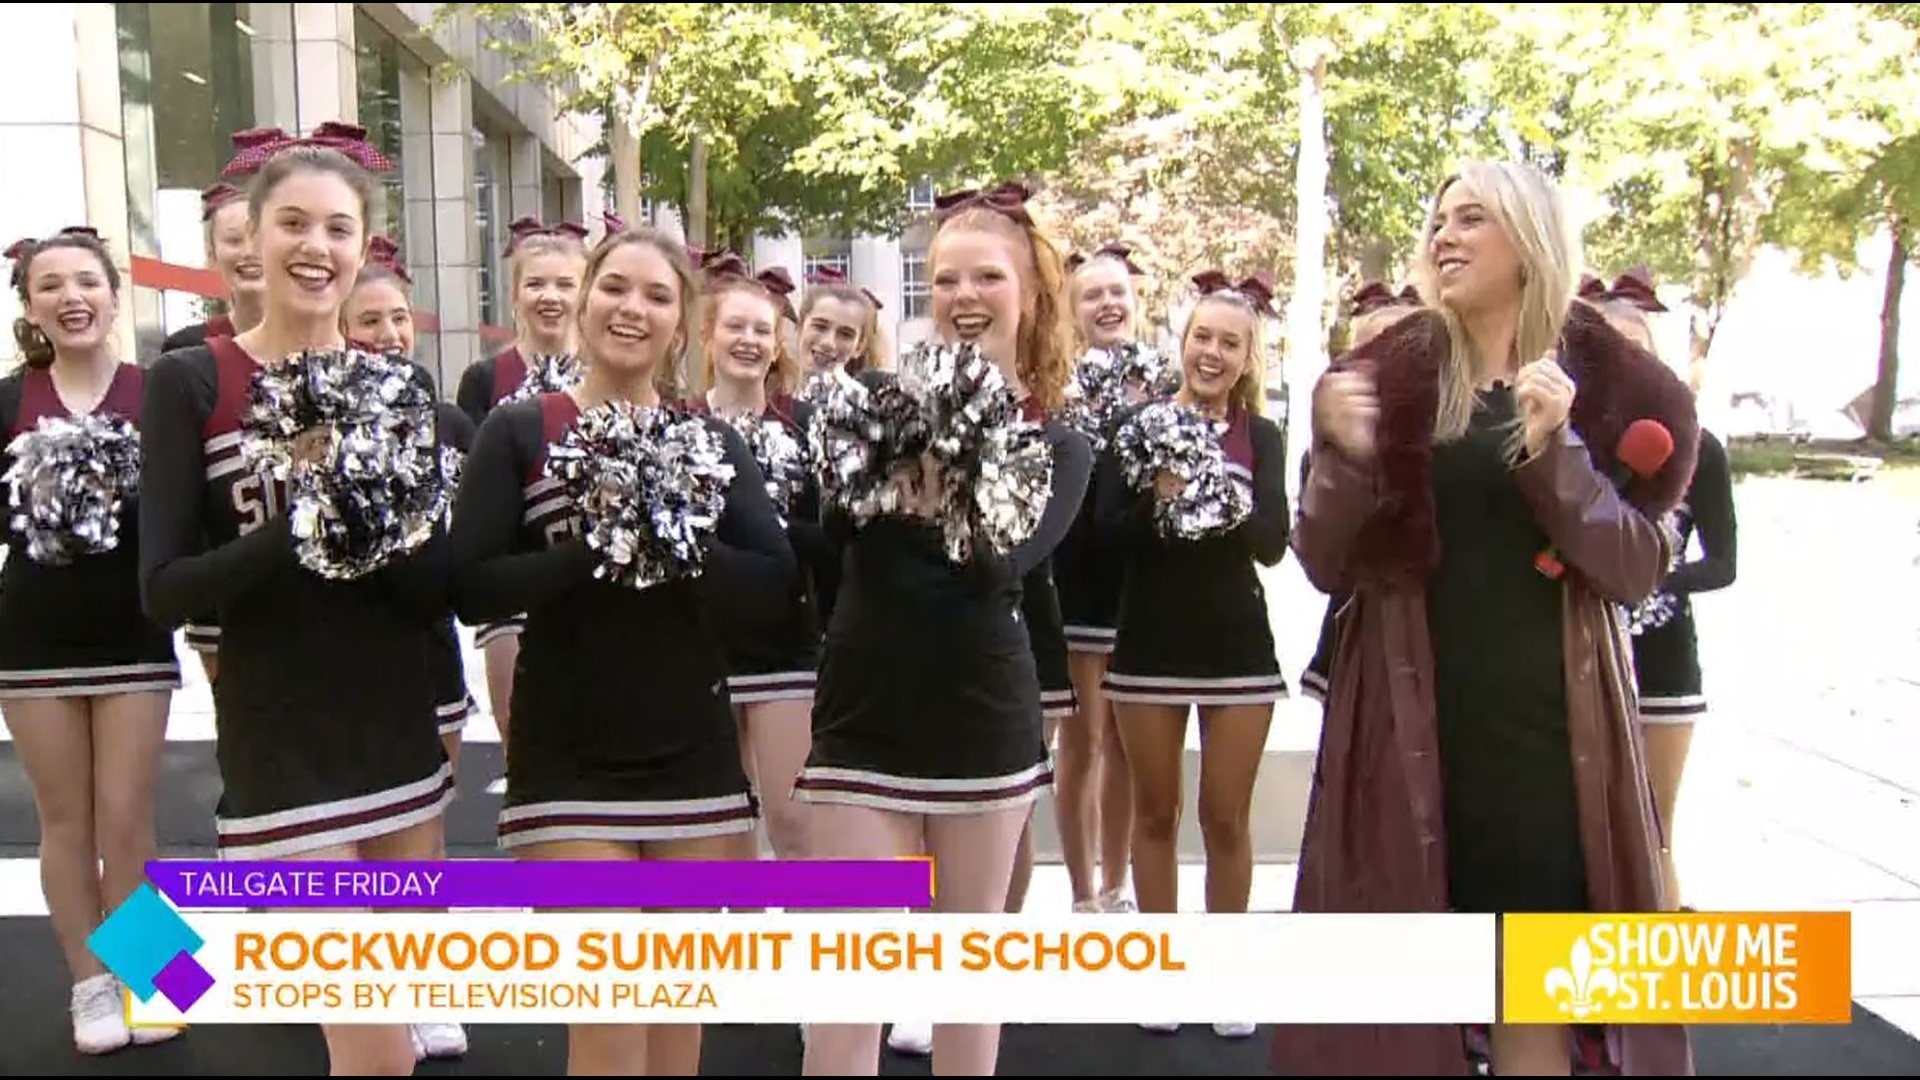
[(1135, 319), (666, 377), (783, 375), (1250, 390), (1045, 335), (1528, 208)]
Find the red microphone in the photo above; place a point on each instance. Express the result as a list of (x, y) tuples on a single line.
[(1642, 451)]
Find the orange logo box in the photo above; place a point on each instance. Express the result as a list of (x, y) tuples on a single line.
[(1679, 968)]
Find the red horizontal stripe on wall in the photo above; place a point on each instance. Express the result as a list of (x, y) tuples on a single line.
[(198, 281)]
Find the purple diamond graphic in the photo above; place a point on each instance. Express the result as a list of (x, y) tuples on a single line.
[(183, 980)]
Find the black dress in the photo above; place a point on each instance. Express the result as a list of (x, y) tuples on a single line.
[(326, 697), (76, 629), (929, 698), (1500, 695), (203, 633), (622, 730), (1666, 650)]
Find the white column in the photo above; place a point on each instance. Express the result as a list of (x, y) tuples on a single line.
[(525, 192), (60, 122), (456, 263), (328, 83)]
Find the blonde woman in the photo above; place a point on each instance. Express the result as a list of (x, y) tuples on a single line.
[(1481, 751)]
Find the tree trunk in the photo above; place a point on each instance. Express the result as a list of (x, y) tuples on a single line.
[(1886, 389), (1306, 355), (624, 146), (697, 193)]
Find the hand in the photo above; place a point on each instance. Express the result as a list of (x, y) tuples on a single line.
[(1168, 486), (1346, 412), (1544, 391), (310, 446)]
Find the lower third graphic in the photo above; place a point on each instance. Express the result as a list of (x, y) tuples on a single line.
[(150, 948)]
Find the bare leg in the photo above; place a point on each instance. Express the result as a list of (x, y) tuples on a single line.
[(973, 864), (1156, 742), (1667, 746), (857, 832), (1232, 740), (1076, 769)]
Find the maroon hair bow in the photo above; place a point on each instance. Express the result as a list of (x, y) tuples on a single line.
[(1118, 252), (613, 223), (524, 228), (1255, 288), (383, 252), (1592, 288), (21, 248), (347, 139), (217, 196), (826, 275), (1008, 199), (1375, 295), (719, 264), (777, 281), (1636, 288)]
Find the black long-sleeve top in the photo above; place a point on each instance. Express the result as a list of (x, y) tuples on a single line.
[(1256, 446), (1710, 514)]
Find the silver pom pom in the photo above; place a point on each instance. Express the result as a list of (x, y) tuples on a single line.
[(651, 486), (1660, 608), (1107, 382), (548, 373), (1173, 438), (376, 490), (949, 408), (781, 457), (70, 480)]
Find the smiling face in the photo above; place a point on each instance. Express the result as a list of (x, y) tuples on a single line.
[(1217, 349), (311, 235), (977, 291), (741, 346), (832, 331), (1475, 265), (634, 313), (1104, 303), (547, 292), (70, 297), (230, 249), (379, 314)]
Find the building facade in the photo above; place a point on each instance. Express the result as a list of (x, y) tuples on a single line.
[(118, 115)]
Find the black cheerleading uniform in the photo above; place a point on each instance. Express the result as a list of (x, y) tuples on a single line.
[(1041, 605), (456, 705), (773, 647), (1194, 627), (482, 388), (76, 630), (929, 699), (202, 633), (1666, 650), (622, 730), (325, 692), (1088, 576)]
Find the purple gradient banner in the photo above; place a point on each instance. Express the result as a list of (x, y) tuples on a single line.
[(800, 884)]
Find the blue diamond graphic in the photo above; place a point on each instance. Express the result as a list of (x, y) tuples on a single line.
[(141, 938)]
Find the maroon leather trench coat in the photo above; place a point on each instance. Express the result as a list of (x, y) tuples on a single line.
[(1375, 838)]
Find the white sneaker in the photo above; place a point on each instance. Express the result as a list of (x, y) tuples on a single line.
[(911, 1037), (147, 1035), (1160, 1027), (1116, 902), (439, 1040), (1234, 1029), (99, 1015), (1088, 907)]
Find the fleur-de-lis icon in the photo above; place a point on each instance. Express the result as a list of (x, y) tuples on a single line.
[(1580, 985)]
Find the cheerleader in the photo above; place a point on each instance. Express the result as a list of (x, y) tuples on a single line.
[(323, 710), (927, 721), (1194, 629), (1666, 648), (1478, 754), (231, 254), (840, 326), (623, 745), (773, 649), (85, 677), (1093, 791), (1375, 307), (544, 264)]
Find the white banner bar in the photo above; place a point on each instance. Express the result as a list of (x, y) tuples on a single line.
[(323, 967)]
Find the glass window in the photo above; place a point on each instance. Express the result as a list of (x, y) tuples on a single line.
[(916, 289), (920, 198), (377, 69), (836, 261), (186, 85), (489, 235)]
